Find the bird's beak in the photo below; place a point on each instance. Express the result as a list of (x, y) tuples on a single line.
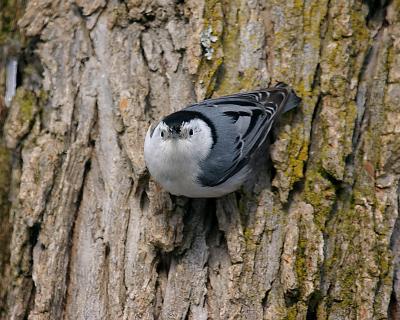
[(175, 133)]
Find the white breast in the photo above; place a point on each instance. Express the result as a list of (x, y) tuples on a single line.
[(173, 166)]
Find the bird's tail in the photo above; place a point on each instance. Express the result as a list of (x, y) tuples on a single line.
[(292, 101)]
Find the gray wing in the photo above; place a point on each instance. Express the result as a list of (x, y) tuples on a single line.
[(251, 115)]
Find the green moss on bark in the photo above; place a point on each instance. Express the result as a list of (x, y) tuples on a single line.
[(321, 194)]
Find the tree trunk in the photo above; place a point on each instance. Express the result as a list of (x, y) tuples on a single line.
[(87, 234)]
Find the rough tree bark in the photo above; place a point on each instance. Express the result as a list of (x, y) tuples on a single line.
[(86, 234)]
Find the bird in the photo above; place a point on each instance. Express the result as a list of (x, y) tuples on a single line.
[(205, 149)]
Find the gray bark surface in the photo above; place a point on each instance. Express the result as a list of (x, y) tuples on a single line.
[(87, 234)]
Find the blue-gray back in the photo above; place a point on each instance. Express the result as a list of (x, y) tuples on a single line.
[(241, 123)]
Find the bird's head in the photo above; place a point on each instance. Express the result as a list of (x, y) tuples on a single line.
[(181, 135)]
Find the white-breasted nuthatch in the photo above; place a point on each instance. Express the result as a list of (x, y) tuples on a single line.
[(204, 150)]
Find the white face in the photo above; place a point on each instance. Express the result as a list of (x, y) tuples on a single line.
[(193, 136), (170, 151)]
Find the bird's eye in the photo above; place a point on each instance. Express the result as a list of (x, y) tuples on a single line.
[(162, 134), (191, 132)]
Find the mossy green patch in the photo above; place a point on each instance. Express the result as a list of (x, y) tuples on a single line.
[(209, 66), (321, 194), (229, 80), (291, 313), (298, 150), (300, 263), (208, 72), (248, 237), (26, 100)]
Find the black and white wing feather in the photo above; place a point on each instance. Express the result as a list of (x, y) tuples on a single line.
[(251, 116)]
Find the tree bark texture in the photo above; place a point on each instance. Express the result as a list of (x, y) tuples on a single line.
[(87, 234)]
